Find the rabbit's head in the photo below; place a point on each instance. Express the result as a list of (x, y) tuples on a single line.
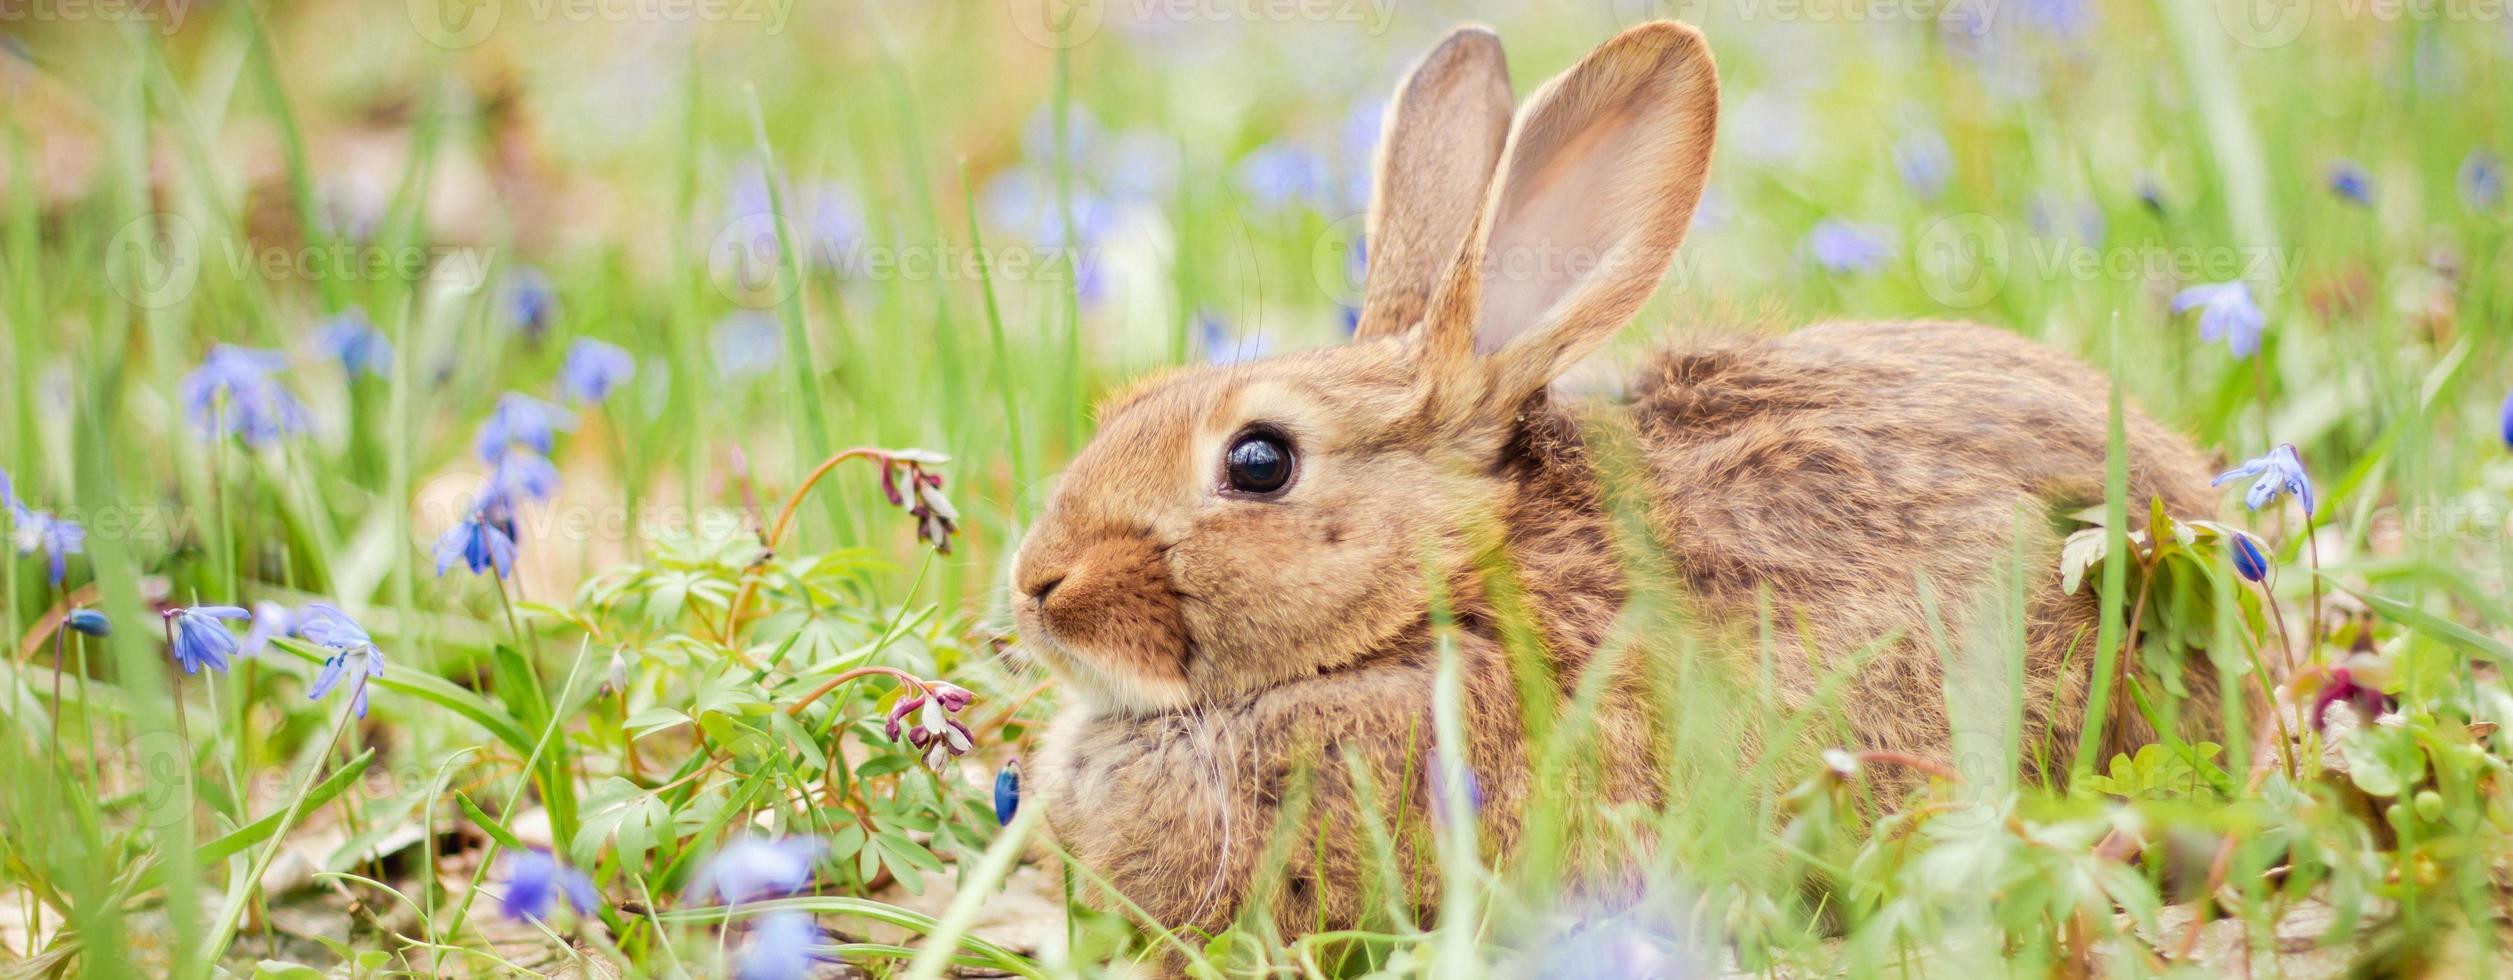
[(1236, 527)]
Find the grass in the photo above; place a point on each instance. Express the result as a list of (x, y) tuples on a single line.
[(240, 174)]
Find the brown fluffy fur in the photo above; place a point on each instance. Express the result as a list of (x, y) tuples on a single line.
[(1249, 679)]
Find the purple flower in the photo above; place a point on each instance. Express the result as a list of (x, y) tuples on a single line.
[(2055, 217), (35, 530), (2281, 471), (1276, 177), (480, 542), (531, 306), (780, 947), (197, 638), (2482, 180), (520, 420), (270, 621), (753, 868), (1924, 161), (354, 654), (746, 345), (2343, 687), (1843, 247), (2506, 421), (353, 341), (2226, 313), (233, 393), (1220, 348), (535, 881), (520, 476), (2249, 560), (593, 369), (2349, 180)]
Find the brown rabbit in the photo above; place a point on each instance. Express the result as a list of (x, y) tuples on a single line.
[(1237, 580)]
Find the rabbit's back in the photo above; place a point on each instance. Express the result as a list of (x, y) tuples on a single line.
[(1837, 468)]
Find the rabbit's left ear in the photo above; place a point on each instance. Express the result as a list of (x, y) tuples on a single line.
[(1594, 192)]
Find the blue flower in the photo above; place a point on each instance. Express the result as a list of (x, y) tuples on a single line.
[(2349, 180), (354, 654), (8, 494), (1276, 176), (90, 622), (2055, 217), (2226, 313), (780, 947), (233, 393), (531, 306), (1007, 793), (754, 868), (198, 639), (2506, 421), (270, 621), (2249, 560), (480, 542), (593, 369), (520, 420), (35, 530), (353, 341), (1840, 246), (747, 344), (521, 476), (2482, 180), (2281, 471), (535, 881), (1220, 348), (1924, 161)]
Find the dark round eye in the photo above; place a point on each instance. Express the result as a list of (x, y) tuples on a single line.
[(1259, 462)]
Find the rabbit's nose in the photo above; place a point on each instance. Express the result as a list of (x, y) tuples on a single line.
[(1039, 589)]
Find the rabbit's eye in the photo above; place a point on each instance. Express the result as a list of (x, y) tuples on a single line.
[(1259, 462)]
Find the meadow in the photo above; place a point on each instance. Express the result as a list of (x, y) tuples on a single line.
[(524, 488)]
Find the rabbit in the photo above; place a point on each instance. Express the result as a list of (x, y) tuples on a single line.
[(1243, 584)]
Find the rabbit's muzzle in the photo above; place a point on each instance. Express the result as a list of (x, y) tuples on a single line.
[(1104, 607)]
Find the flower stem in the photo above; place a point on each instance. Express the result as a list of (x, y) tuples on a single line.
[(776, 533), (232, 912), (858, 673)]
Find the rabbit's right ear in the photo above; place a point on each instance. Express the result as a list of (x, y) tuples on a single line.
[(1591, 199), (1443, 136)]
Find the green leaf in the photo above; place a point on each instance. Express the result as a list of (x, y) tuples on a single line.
[(490, 825)]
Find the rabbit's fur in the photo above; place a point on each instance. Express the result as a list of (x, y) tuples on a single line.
[(1248, 683)]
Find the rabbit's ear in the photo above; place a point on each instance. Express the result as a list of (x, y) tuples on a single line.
[(1594, 193), (1442, 137)]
